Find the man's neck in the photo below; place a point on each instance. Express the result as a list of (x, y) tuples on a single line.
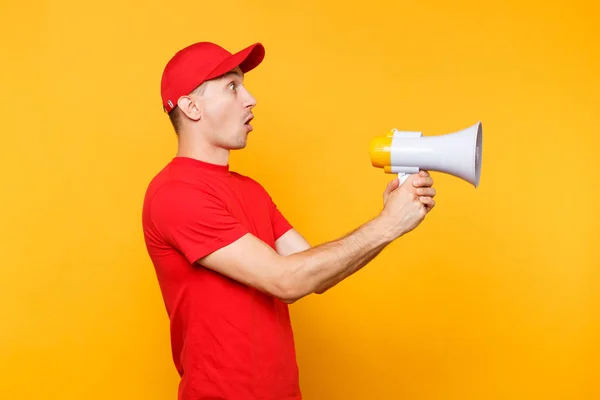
[(194, 145)]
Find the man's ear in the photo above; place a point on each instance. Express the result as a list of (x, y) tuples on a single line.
[(189, 106)]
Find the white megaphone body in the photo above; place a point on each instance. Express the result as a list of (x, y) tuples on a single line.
[(403, 153)]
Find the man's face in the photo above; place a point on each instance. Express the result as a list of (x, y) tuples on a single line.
[(227, 110)]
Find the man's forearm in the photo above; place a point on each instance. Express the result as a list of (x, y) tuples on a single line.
[(366, 258), (321, 267)]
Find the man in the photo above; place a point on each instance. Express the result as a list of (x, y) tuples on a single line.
[(227, 261)]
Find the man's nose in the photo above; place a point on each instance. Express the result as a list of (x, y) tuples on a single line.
[(249, 101)]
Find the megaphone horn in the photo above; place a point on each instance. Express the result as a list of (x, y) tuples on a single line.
[(403, 152)]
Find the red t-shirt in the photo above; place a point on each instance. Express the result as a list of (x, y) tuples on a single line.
[(228, 340)]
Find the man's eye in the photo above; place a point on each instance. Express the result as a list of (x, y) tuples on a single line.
[(231, 86)]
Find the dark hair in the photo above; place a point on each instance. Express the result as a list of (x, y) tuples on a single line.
[(175, 118)]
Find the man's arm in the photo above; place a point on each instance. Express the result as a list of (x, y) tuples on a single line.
[(313, 270)]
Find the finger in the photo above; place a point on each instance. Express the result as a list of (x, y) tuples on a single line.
[(428, 202), (424, 173), (426, 191), (423, 182)]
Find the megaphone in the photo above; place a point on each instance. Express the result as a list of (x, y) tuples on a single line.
[(406, 152)]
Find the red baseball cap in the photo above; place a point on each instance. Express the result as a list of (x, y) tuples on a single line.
[(199, 62)]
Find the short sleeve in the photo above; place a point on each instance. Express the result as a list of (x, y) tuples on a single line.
[(193, 220), (280, 224)]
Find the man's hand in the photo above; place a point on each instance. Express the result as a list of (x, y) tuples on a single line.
[(406, 205)]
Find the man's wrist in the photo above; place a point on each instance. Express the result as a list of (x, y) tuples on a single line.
[(387, 230)]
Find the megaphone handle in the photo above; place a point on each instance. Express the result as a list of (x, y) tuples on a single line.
[(402, 177)]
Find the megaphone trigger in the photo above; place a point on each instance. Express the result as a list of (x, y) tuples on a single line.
[(406, 152), (402, 177)]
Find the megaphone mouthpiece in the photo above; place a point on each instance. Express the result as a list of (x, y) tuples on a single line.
[(381, 148)]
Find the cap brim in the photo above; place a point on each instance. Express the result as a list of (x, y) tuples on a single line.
[(247, 59), (251, 57)]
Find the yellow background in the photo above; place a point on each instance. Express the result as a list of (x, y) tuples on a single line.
[(495, 296)]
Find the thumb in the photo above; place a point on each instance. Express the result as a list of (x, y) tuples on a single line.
[(393, 184)]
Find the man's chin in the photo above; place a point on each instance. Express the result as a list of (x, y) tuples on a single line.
[(239, 145)]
